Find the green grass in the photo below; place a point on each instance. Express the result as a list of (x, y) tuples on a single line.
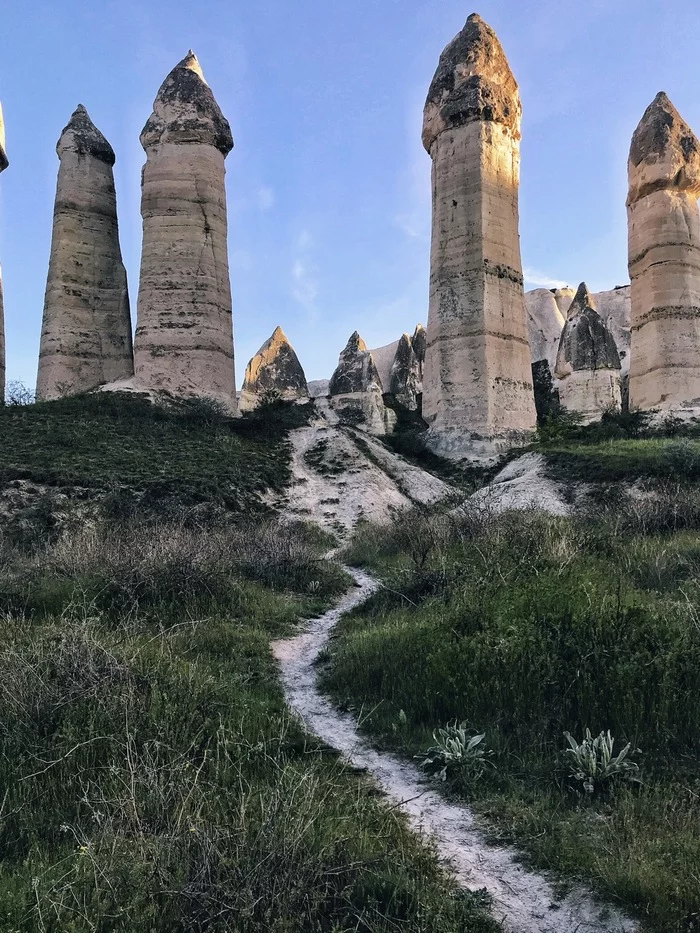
[(526, 627), (151, 777)]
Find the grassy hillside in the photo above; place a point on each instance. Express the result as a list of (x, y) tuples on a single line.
[(151, 778), (525, 627)]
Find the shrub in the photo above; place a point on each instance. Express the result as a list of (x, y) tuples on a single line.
[(455, 750), (592, 764)]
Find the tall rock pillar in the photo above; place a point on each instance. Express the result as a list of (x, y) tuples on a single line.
[(86, 329), (664, 261), (184, 333), (477, 385), (3, 165)]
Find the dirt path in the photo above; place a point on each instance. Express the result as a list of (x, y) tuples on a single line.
[(523, 901)]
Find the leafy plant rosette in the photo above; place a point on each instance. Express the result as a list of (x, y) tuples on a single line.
[(592, 763), (456, 750)]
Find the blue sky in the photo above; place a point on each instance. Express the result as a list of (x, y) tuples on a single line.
[(328, 186)]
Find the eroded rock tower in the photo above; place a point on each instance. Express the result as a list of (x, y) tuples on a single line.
[(664, 261), (184, 334), (86, 329), (477, 387)]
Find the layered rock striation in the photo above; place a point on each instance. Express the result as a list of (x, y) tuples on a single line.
[(275, 372), (477, 386), (588, 364), (184, 334), (86, 329), (356, 390), (664, 261)]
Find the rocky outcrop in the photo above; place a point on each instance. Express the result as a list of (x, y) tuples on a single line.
[(356, 389), (419, 343), (3, 165), (544, 324), (664, 261), (86, 330), (274, 371), (184, 334), (477, 385), (563, 297), (383, 358), (405, 378), (588, 364)]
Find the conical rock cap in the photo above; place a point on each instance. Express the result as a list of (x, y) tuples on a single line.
[(185, 111), (275, 367), (82, 136), (473, 82)]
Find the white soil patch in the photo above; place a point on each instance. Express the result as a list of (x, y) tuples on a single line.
[(524, 484), (523, 901)]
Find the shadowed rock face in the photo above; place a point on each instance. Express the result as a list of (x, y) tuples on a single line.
[(274, 368), (86, 330), (184, 334), (588, 364), (418, 342), (664, 261), (477, 382), (405, 380), (356, 388), (3, 153)]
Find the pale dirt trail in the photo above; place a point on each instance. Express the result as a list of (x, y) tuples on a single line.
[(523, 901)]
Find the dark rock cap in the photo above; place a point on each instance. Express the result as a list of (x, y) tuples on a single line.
[(82, 136), (275, 366), (473, 82), (664, 151), (404, 379), (3, 154), (185, 111), (585, 342)]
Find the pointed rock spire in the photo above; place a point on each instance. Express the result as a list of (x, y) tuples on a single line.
[(274, 368), (356, 390), (3, 153), (86, 329), (473, 82), (184, 333), (477, 381), (418, 342), (405, 380), (664, 261)]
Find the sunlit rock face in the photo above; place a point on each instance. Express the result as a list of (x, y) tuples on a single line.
[(3, 165), (405, 377), (356, 389), (275, 370), (664, 261), (86, 329), (544, 323), (477, 385), (184, 334), (588, 363)]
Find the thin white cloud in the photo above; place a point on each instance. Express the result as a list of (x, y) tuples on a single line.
[(304, 287), (536, 279), (266, 198)]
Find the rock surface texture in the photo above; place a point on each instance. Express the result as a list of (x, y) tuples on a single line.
[(477, 387), (184, 334), (356, 388), (86, 329), (588, 364), (405, 376), (275, 368), (545, 323), (3, 165), (664, 261)]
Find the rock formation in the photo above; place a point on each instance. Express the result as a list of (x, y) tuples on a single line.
[(3, 165), (405, 378), (588, 364), (275, 369), (477, 388), (184, 334), (563, 297), (356, 388), (664, 261), (544, 324), (86, 330), (419, 342)]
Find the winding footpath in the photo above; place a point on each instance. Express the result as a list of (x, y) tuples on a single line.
[(523, 901)]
